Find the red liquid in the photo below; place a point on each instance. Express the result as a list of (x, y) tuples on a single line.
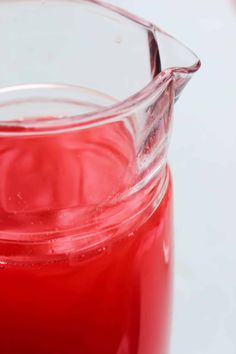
[(100, 280)]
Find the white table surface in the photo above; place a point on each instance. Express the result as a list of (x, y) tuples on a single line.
[(203, 160)]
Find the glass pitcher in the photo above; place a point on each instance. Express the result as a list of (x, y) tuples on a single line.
[(86, 102)]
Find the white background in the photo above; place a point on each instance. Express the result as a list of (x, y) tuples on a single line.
[(203, 160)]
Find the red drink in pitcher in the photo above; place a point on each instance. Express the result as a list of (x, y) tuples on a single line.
[(81, 285), (70, 282)]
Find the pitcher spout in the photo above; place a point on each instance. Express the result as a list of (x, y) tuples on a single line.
[(176, 61)]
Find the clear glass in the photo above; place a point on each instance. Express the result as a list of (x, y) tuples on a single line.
[(86, 101)]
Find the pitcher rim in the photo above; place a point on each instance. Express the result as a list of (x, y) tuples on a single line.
[(112, 112)]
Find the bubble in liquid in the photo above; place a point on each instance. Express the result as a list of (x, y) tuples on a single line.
[(101, 249)]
